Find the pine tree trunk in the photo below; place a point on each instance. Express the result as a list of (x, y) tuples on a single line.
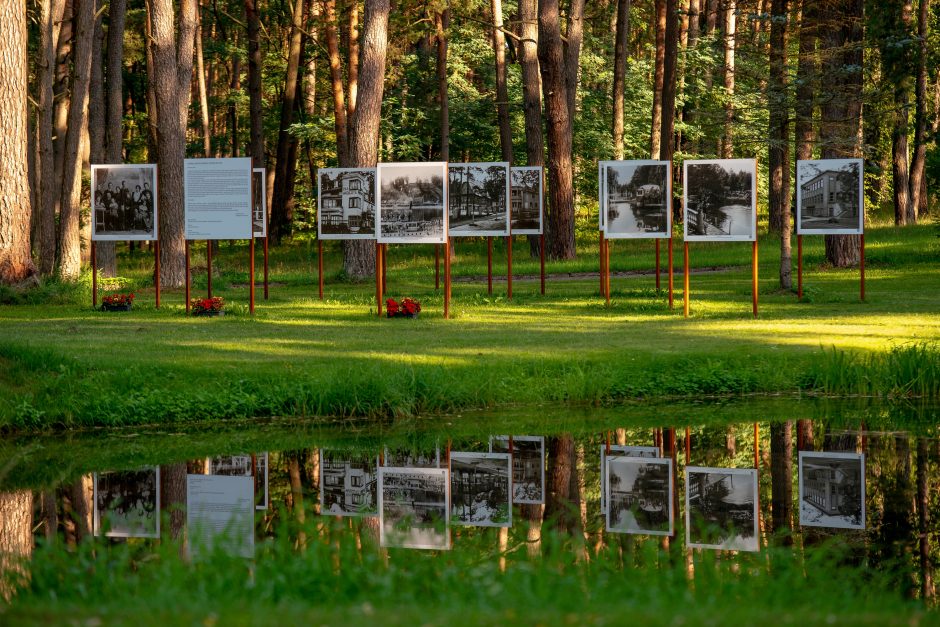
[(352, 36), (574, 35), (918, 203), (730, 34), (656, 125), (336, 82), (502, 92), (201, 84), (255, 102), (805, 79), (97, 135), (50, 20), (117, 17), (235, 86), (670, 62), (359, 255), (442, 21), (781, 471), (621, 41), (779, 149), (560, 169), (63, 76), (531, 94)]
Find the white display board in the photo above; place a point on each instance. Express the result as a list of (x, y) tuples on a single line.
[(217, 198), (720, 200), (832, 490), (478, 199), (635, 199), (525, 200), (412, 202), (124, 202), (830, 197), (346, 203), (220, 511)]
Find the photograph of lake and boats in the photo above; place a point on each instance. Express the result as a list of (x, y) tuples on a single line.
[(567, 433)]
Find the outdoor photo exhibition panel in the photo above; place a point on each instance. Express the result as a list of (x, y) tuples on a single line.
[(220, 514), (830, 200), (720, 204), (259, 203), (528, 466), (348, 483), (481, 489), (255, 466), (406, 458), (641, 496), (127, 503), (525, 200), (832, 490), (478, 199), (345, 203), (413, 508), (620, 450), (721, 509)]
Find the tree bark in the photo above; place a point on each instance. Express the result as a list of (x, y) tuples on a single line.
[(16, 508), (235, 86), (336, 82), (173, 497), (201, 85), (670, 62), (531, 94), (502, 91), (442, 21), (805, 81), (97, 136), (730, 21), (561, 188), (359, 255), (117, 17), (559, 510), (171, 79), (255, 102), (918, 203), (695, 9), (352, 89), (621, 41), (781, 471), (574, 35), (923, 518), (656, 125), (779, 131), (51, 12)]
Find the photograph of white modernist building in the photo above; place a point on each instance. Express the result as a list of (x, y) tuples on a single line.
[(346, 203), (830, 197)]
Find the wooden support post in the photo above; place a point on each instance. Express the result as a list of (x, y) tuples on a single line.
[(657, 266), (799, 267), (437, 266), (489, 265), (754, 277), (384, 249), (447, 278), (265, 267), (685, 292), (320, 267), (94, 275), (378, 279), (600, 260), (607, 271), (861, 263), (756, 446), (156, 270), (251, 276), (688, 447), (187, 276), (542, 260), (669, 246), (509, 267), (209, 266)]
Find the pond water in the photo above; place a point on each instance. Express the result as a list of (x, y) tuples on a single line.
[(716, 477)]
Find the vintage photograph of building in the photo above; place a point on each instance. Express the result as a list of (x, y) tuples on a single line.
[(830, 197), (528, 466), (412, 201), (525, 200), (621, 450), (641, 495), (124, 202), (259, 203), (636, 199), (127, 503), (481, 489), (408, 458), (413, 508), (832, 490), (720, 199), (478, 198), (348, 483), (254, 465), (346, 203), (721, 508)]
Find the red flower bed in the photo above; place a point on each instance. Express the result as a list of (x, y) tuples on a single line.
[(207, 305), (407, 308)]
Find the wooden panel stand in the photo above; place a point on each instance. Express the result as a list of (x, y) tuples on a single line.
[(670, 273), (799, 267), (209, 266), (607, 272), (437, 266), (447, 279), (489, 265), (320, 267), (251, 276), (156, 270), (600, 255), (861, 263), (94, 275), (384, 250), (378, 279), (187, 276), (685, 292), (542, 260), (657, 266), (754, 274), (265, 268), (509, 267)]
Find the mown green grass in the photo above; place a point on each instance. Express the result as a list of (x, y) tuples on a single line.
[(64, 365)]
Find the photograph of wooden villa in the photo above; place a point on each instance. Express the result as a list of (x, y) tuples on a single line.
[(348, 483), (832, 490), (525, 200), (346, 198), (478, 199), (412, 203)]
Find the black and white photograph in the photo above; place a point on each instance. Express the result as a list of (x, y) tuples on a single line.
[(413, 508), (621, 450), (525, 200), (832, 490), (478, 197), (412, 201), (259, 203), (720, 199), (830, 197), (246, 465), (528, 466), (124, 202), (409, 458), (721, 508), (481, 489), (127, 503), (641, 494), (346, 203), (636, 199), (348, 483)]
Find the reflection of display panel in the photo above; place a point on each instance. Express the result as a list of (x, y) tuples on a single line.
[(478, 199), (832, 490), (412, 201), (636, 199), (259, 203), (220, 513), (348, 484), (127, 503), (346, 203), (124, 202), (720, 200), (621, 450), (830, 197), (407, 458), (217, 198), (413, 510), (641, 496), (525, 200), (721, 508), (245, 466), (528, 466), (481, 489)]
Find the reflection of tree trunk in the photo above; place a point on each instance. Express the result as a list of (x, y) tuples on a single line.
[(173, 497), (81, 494), (558, 508), (730, 442), (805, 434), (895, 543), (312, 478), (50, 514), (297, 494), (781, 473), (16, 535), (923, 504), (532, 514)]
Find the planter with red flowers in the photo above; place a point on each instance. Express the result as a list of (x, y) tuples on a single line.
[(208, 307), (407, 308), (117, 302)]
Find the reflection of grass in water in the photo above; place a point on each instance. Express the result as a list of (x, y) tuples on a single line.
[(330, 578)]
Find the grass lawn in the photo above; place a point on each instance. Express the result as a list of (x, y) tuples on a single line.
[(64, 365)]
